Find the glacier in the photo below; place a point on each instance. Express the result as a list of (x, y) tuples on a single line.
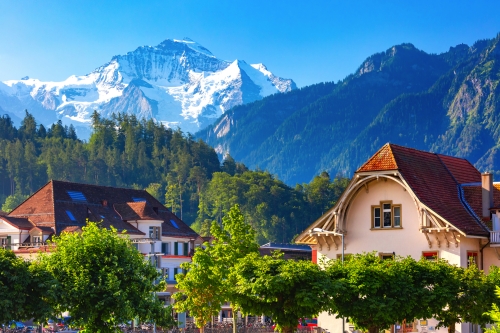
[(179, 83)]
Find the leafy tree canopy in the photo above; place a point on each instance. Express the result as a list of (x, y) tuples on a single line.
[(369, 289), (25, 289), (103, 279), (285, 289)]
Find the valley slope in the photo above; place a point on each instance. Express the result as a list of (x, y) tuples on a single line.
[(447, 103)]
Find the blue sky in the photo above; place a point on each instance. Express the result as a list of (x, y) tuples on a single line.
[(309, 41)]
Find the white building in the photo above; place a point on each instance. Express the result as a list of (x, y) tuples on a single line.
[(64, 207)]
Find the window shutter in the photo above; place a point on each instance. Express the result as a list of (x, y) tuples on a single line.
[(8, 243), (186, 247), (175, 272), (176, 248)]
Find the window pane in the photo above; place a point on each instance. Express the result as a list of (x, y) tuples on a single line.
[(387, 219), (387, 207), (376, 217), (397, 216)]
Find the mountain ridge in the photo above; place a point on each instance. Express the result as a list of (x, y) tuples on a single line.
[(178, 82), (445, 102)]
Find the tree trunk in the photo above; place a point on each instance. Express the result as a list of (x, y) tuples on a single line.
[(202, 329), (289, 329), (373, 329), (451, 328), (235, 320)]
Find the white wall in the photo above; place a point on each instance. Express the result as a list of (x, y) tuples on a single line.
[(404, 241)]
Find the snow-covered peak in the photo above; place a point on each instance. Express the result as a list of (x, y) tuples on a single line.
[(194, 46), (178, 82)]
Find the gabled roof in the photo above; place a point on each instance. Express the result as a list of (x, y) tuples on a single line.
[(435, 180), (132, 211), (19, 223), (62, 204), (381, 160), (43, 230)]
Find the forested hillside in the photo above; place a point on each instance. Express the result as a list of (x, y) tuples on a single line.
[(183, 173), (447, 103)]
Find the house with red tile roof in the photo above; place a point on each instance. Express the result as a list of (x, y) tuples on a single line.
[(408, 202), (61, 206)]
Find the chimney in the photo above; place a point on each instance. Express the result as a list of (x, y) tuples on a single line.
[(487, 192)]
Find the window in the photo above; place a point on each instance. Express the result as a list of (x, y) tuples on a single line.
[(430, 255), (386, 256), (76, 196), (174, 224), (5, 242), (165, 274), (155, 232), (70, 215), (386, 215), (165, 248), (376, 217), (138, 199), (181, 249), (471, 258), (36, 239)]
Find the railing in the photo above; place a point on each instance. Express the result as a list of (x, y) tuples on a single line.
[(143, 240), (23, 245), (35, 244), (495, 237)]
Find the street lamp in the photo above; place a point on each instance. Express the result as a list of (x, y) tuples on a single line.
[(323, 231)]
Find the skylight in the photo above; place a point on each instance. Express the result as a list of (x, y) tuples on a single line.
[(138, 199), (76, 196), (70, 215), (174, 224)]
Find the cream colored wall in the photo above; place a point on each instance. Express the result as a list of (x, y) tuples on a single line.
[(405, 241), (490, 258)]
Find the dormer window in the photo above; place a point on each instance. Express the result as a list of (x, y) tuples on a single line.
[(386, 215), (76, 196)]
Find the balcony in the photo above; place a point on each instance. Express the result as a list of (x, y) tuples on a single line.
[(495, 238)]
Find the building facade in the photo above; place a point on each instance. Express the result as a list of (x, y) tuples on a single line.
[(408, 202), (65, 207)]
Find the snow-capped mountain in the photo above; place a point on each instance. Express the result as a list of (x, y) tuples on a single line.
[(178, 82)]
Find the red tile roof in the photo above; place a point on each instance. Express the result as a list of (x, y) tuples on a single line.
[(132, 211), (435, 180), (45, 230), (20, 223), (382, 160), (53, 206)]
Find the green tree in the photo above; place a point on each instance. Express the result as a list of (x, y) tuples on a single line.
[(24, 289), (12, 201), (368, 290), (200, 289), (494, 315), (103, 279), (471, 294), (213, 266), (285, 289)]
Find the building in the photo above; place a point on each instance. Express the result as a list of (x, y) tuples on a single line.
[(290, 251), (412, 203), (65, 207)]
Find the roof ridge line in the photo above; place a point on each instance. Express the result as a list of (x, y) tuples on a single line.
[(95, 185)]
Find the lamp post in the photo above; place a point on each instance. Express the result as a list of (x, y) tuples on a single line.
[(323, 231)]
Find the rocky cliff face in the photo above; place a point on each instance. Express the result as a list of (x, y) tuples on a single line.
[(178, 82)]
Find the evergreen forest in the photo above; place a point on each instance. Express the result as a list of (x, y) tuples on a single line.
[(178, 170)]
